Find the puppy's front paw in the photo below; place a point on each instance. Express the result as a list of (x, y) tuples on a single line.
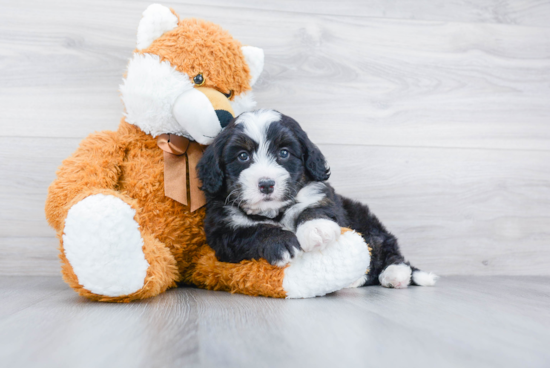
[(284, 258), (317, 234), (280, 254)]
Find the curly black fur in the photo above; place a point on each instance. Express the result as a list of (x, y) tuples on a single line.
[(236, 235)]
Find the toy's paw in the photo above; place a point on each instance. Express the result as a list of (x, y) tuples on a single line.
[(103, 244), (318, 273), (317, 234), (397, 276)]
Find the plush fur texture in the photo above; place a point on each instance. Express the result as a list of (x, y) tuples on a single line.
[(197, 46), (255, 60), (158, 91), (109, 195), (156, 20), (149, 91), (320, 272), (174, 239), (104, 245), (244, 102), (268, 198)]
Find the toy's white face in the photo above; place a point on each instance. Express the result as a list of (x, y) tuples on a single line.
[(160, 99)]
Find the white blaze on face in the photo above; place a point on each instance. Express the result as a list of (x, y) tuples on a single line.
[(264, 167)]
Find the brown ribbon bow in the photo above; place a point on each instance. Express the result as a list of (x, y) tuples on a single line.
[(177, 152)]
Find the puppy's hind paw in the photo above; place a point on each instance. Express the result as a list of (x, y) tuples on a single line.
[(422, 278), (317, 234), (397, 276)]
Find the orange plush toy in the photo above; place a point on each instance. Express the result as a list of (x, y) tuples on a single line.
[(126, 205)]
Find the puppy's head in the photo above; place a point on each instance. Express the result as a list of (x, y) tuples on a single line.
[(259, 163)]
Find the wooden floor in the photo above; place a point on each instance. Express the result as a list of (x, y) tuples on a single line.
[(463, 322)]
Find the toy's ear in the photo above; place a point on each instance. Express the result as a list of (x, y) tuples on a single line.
[(156, 20), (254, 57)]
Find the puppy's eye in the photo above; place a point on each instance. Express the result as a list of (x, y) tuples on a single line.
[(283, 153), (243, 156), (199, 80), (229, 95)]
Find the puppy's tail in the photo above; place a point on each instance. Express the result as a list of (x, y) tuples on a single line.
[(423, 278)]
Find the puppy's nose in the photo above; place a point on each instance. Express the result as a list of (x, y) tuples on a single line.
[(266, 186)]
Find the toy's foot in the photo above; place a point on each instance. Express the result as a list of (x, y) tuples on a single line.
[(397, 276), (317, 273), (103, 244), (317, 234)]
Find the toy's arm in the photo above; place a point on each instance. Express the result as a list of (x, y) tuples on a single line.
[(94, 168), (311, 274)]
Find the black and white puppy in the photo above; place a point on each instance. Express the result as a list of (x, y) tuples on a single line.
[(265, 183)]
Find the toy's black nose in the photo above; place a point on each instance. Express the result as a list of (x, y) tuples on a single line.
[(224, 117), (266, 186)]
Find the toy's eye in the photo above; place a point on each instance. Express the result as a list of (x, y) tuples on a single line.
[(283, 153), (243, 156), (199, 80), (229, 95)]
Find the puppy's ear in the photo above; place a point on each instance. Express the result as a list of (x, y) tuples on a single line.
[(314, 161), (210, 169)]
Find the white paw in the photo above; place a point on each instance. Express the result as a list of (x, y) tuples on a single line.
[(318, 273), (317, 234), (422, 278), (104, 246), (397, 276)]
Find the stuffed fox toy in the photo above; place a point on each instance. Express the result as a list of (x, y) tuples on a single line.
[(127, 206)]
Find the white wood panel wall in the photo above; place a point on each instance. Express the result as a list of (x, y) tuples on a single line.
[(435, 113)]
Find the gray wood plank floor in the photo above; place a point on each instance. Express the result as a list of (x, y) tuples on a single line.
[(464, 321)]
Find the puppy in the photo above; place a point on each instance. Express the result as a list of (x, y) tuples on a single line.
[(265, 183)]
